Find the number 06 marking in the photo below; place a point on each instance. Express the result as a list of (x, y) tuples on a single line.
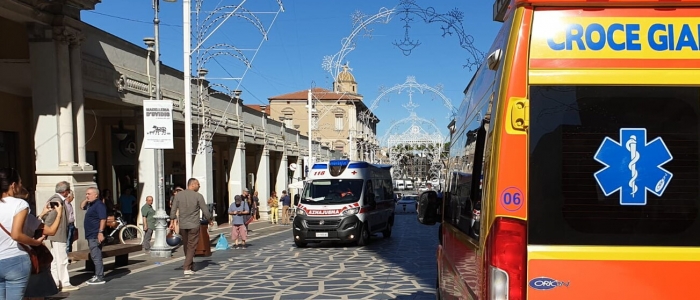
[(512, 199)]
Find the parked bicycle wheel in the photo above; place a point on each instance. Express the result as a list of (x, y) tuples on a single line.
[(131, 234)]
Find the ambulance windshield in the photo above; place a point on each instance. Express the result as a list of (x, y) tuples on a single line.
[(332, 191)]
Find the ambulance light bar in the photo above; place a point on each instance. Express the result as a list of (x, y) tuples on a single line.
[(339, 163)]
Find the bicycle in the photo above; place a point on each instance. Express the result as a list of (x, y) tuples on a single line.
[(127, 233)]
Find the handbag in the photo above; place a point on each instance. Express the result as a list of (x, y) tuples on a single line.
[(111, 222), (40, 256), (76, 234), (250, 217)]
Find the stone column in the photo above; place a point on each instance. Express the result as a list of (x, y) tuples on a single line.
[(66, 151), (76, 77), (146, 171), (53, 115), (282, 174), (42, 53), (262, 181), (297, 176), (236, 181), (282, 177), (202, 169)]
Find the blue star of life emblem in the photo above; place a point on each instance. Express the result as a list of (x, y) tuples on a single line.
[(633, 166)]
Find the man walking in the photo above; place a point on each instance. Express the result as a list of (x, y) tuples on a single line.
[(94, 224), (149, 222), (59, 241), (189, 203), (286, 202), (238, 210)]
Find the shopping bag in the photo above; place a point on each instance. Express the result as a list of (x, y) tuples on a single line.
[(222, 244)]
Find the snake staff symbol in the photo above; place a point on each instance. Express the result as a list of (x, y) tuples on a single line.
[(634, 167), (634, 157)]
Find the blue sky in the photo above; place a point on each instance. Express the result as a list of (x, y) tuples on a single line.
[(290, 60)]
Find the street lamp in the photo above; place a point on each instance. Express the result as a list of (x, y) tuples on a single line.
[(310, 108), (160, 248)]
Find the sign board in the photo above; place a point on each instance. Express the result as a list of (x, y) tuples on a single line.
[(584, 35), (157, 124)]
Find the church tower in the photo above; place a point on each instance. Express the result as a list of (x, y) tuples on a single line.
[(345, 83)]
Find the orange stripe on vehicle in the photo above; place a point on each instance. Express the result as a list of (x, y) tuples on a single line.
[(512, 161), (638, 280)]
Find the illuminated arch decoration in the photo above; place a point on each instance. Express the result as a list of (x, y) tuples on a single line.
[(415, 152), (451, 24), (410, 86), (207, 21)]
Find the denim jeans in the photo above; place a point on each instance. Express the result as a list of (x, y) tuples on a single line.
[(14, 276), (69, 246), (96, 256)]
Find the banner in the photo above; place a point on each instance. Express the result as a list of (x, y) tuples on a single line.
[(157, 124)]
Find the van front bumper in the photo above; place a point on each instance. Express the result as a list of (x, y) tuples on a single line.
[(319, 229)]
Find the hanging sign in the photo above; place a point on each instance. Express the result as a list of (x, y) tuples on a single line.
[(157, 124)]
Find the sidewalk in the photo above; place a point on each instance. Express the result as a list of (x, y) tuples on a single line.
[(141, 261)]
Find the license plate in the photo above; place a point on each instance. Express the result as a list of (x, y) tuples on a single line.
[(321, 234)]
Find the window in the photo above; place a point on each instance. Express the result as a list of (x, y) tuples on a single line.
[(339, 146), (388, 189), (568, 125), (339, 122), (314, 121), (332, 191), (288, 114), (463, 196)]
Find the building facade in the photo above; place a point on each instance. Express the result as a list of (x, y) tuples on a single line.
[(74, 95), (340, 120)]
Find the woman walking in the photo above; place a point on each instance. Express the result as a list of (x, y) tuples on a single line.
[(253, 203), (16, 266), (273, 203)]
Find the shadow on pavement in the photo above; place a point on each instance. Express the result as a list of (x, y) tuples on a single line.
[(111, 273)]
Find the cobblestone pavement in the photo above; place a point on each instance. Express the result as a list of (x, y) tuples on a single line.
[(401, 267)]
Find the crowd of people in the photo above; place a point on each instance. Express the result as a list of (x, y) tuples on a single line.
[(54, 227)]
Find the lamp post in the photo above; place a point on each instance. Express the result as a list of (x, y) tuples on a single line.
[(160, 248), (310, 108), (187, 90)]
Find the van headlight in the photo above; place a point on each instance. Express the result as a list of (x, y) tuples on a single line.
[(301, 212), (350, 212)]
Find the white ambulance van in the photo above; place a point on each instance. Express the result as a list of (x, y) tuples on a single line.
[(345, 201)]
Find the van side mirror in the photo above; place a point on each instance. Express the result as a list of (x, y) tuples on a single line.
[(429, 208)]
